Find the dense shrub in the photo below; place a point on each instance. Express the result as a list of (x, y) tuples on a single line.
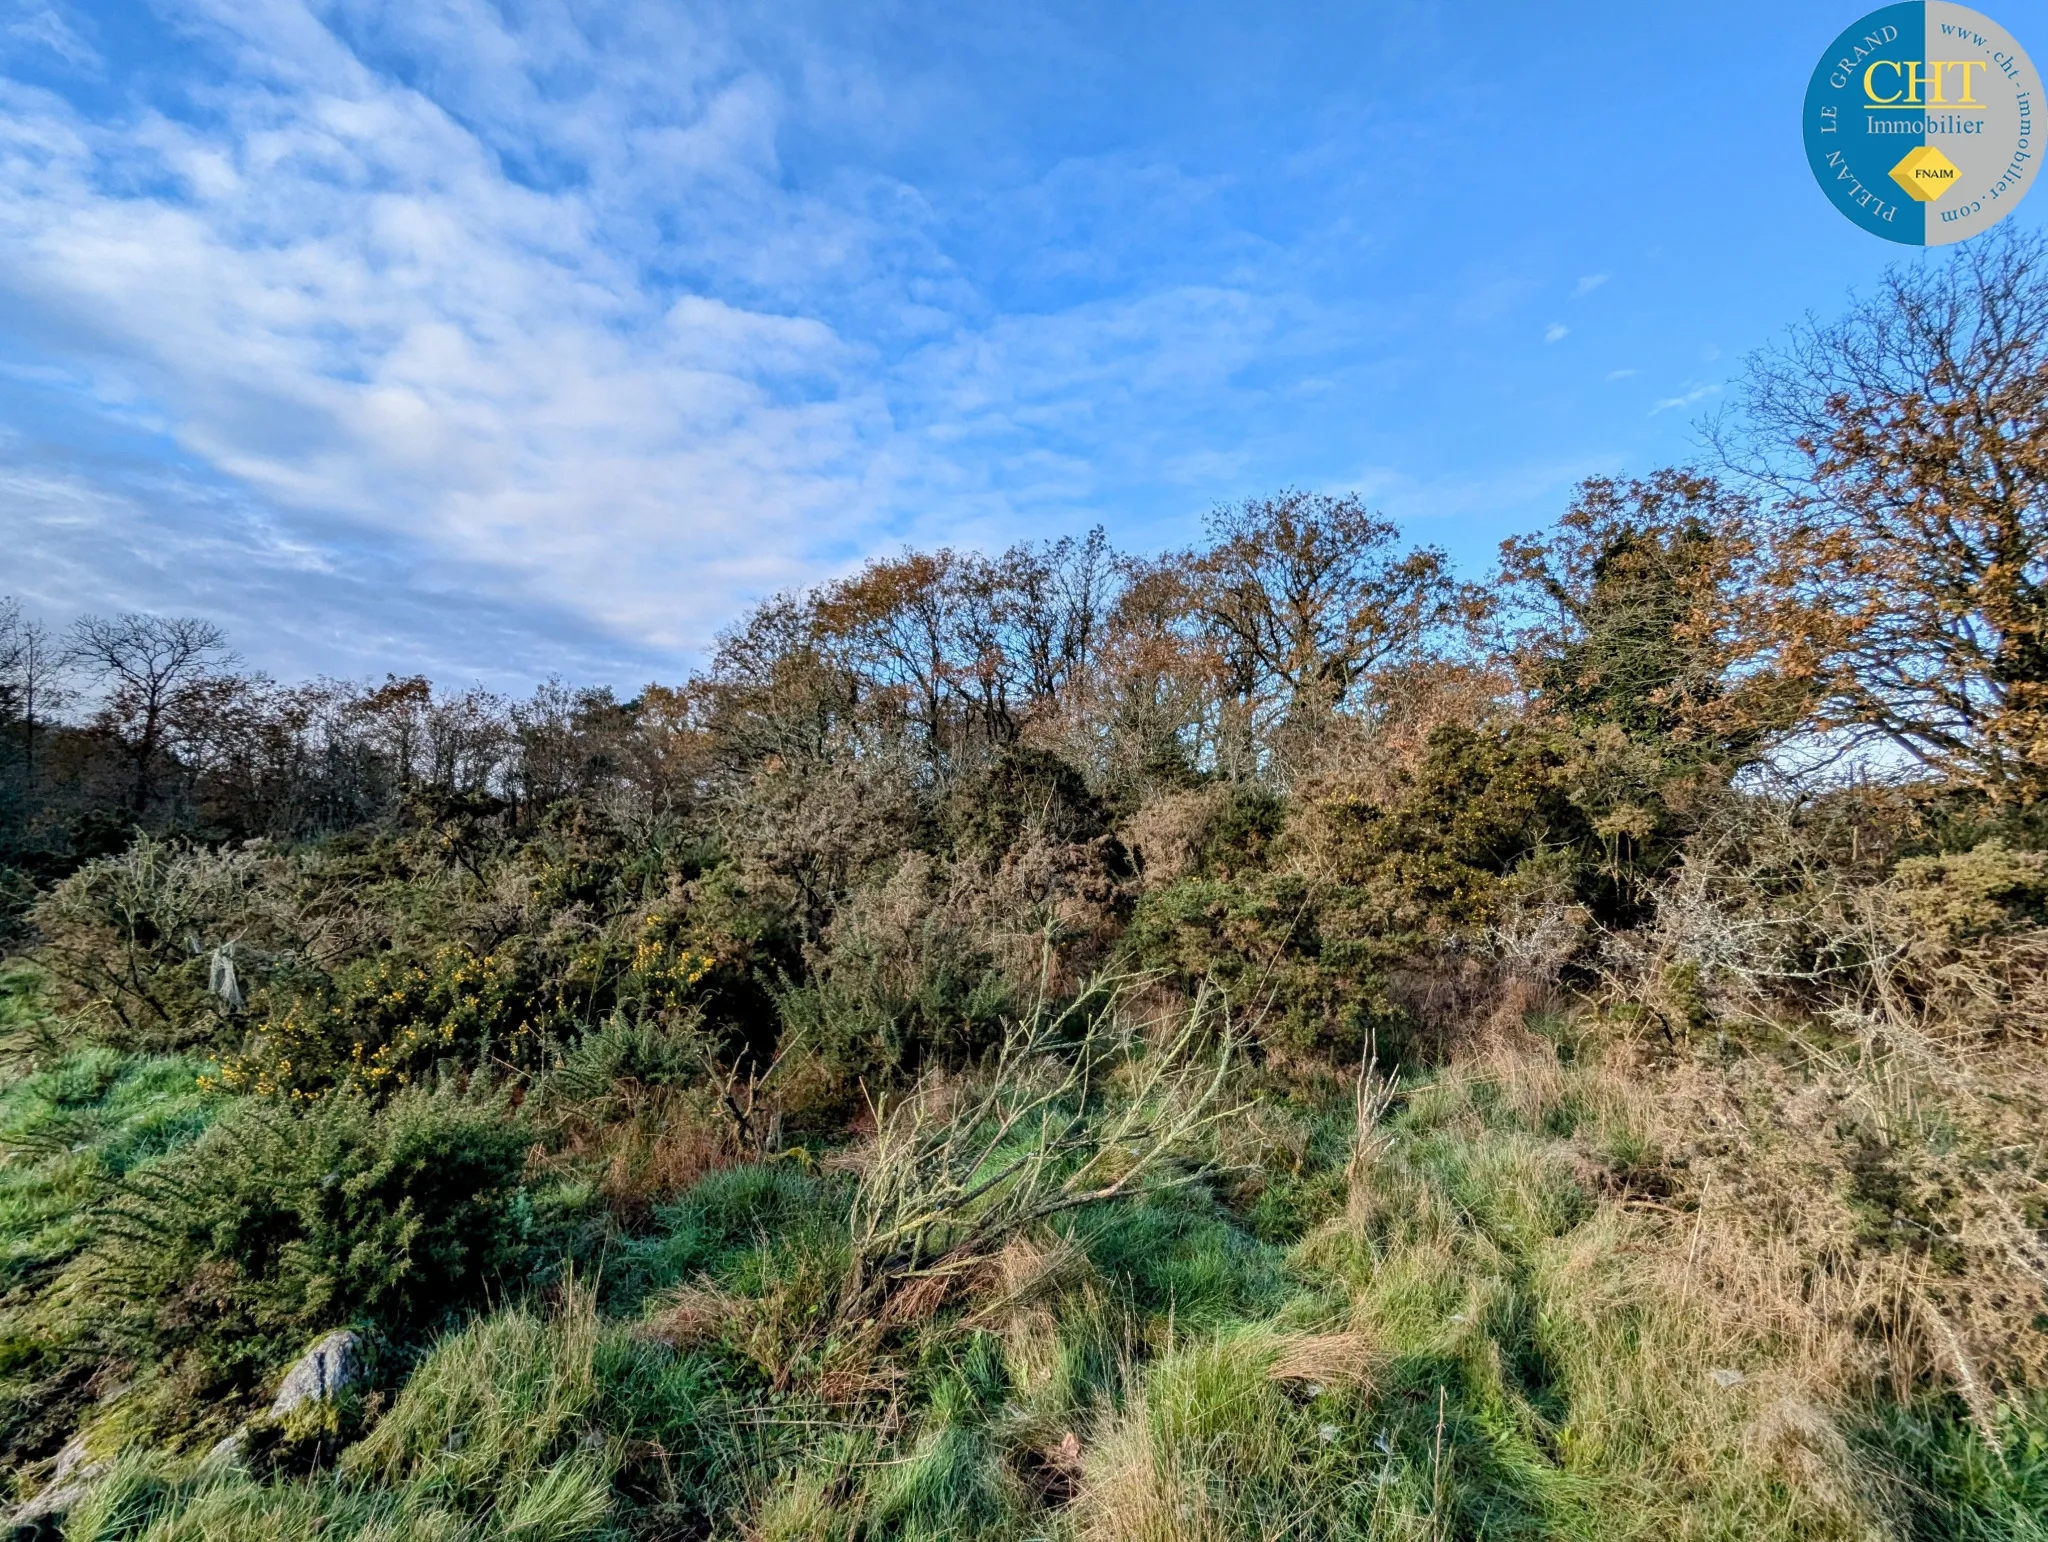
[(224, 1258), (1023, 790), (901, 978), (1263, 940), (1437, 859), (150, 943), (1988, 891), (390, 1020)]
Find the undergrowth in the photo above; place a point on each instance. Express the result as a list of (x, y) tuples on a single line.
[(1478, 1328)]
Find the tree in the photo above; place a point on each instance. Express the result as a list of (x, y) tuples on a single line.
[(31, 682), (1306, 596), (1152, 714), (391, 720), (570, 742), (233, 748), (1905, 448), (148, 666), (1060, 593), (895, 621), (1635, 609), (468, 742), (775, 690)]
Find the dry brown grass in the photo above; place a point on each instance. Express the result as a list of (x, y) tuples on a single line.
[(1325, 1359), (1775, 1160), (690, 1318), (1028, 1272), (653, 1161), (1134, 1491), (1844, 1072)]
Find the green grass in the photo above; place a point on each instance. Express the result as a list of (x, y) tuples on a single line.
[(73, 1123), (68, 1132), (1946, 1483), (730, 1226), (1182, 1261), (1469, 1345)]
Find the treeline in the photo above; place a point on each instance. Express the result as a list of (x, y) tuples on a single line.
[(1355, 757), (1302, 757), (1861, 564), (1227, 660)]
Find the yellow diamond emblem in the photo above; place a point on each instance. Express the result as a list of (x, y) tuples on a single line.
[(1925, 173)]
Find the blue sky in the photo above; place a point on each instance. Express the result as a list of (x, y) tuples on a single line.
[(502, 341)]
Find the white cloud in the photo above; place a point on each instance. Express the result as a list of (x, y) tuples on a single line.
[(1620, 374), (1691, 398), (1556, 332), (335, 294), (1588, 284), (121, 536), (37, 26), (564, 311), (585, 343)]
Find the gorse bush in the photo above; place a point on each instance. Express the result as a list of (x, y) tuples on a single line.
[(1023, 792), (1265, 942), (389, 1021), (897, 980), (140, 940), (226, 1257)]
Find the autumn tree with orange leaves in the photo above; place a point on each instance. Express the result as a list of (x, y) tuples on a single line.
[(1903, 451)]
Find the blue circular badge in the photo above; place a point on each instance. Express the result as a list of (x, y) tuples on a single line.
[(1920, 123)]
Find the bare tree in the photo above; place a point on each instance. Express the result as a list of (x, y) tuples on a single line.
[(469, 739), (568, 741), (774, 689), (31, 681), (390, 720), (10, 649), (1906, 449), (894, 621), (1307, 595), (1060, 593), (147, 665)]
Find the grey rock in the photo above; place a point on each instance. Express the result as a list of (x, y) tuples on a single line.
[(329, 1367), (70, 1459), (69, 1480), (228, 1449), (332, 1365)]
